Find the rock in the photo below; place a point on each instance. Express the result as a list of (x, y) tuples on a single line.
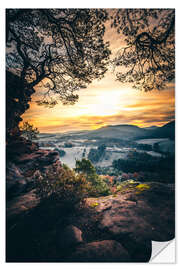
[(15, 183), (139, 249), (137, 216), (149, 213), (100, 251), (21, 203), (23, 163), (69, 237)]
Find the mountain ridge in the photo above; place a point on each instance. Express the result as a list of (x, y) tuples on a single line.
[(124, 131)]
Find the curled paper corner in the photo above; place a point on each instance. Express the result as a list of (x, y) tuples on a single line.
[(163, 252)]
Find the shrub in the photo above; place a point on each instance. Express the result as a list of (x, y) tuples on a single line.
[(28, 131), (98, 188), (96, 185), (62, 186), (142, 187)]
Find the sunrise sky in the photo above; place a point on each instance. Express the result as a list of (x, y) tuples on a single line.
[(106, 102)]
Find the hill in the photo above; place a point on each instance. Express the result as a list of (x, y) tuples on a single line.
[(166, 131), (132, 132), (122, 132), (117, 131)]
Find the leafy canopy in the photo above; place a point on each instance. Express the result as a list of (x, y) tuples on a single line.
[(59, 50), (62, 50), (148, 58)]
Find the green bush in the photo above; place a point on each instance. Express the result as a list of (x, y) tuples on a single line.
[(96, 186), (62, 186)]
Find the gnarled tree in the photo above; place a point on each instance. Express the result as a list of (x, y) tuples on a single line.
[(59, 50), (148, 59)]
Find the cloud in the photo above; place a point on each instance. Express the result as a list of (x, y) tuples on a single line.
[(105, 102), (93, 122)]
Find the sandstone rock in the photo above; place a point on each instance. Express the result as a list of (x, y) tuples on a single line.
[(150, 215), (15, 183), (139, 249), (135, 218), (70, 237), (100, 251), (21, 204)]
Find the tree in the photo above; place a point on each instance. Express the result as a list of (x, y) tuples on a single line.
[(29, 131), (148, 59), (59, 50), (96, 154), (97, 186), (85, 166)]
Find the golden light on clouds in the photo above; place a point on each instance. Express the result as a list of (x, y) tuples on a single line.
[(105, 102)]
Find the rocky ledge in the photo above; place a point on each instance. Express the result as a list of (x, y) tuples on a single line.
[(25, 161), (116, 228)]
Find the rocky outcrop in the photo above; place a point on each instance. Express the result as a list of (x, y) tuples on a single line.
[(100, 251), (70, 236), (115, 228), (21, 204), (25, 162), (136, 216)]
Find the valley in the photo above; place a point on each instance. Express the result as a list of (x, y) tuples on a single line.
[(121, 142)]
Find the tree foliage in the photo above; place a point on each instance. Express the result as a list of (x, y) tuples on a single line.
[(96, 154), (85, 166), (97, 187), (29, 131), (148, 59), (59, 50)]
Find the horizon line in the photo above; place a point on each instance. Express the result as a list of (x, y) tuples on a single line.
[(84, 130)]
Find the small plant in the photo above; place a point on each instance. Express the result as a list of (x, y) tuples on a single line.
[(94, 204), (142, 187), (127, 185)]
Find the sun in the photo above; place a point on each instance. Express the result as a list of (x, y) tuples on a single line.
[(106, 104)]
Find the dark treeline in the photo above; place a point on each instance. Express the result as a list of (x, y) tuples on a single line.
[(164, 167)]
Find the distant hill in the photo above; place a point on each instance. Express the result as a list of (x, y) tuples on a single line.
[(123, 132), (131, 132), (166, 131)]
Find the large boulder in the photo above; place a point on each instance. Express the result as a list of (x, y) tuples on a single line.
[(146, 210), (100, 251), (136, 216), (69, 237)]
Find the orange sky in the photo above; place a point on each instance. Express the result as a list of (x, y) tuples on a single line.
[(105, 102)]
